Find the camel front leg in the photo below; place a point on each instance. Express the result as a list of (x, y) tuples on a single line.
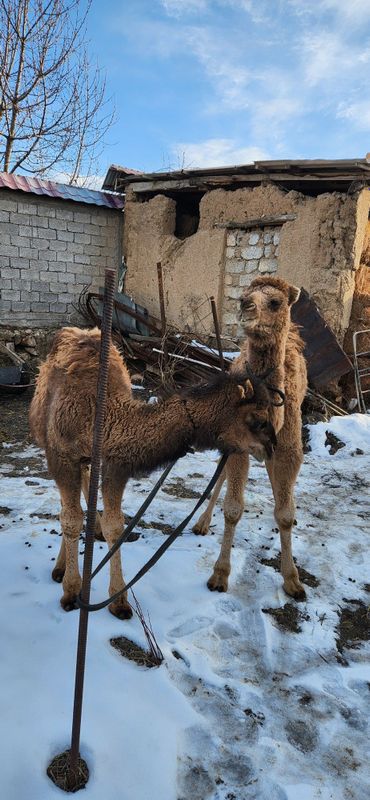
[(201, 527), (112, 523), (236, 473), (283, 470)]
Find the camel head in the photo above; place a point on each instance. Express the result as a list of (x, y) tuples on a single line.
[(265, 306), (232, 414)]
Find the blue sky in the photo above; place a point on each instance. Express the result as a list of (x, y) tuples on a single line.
[(211, 82)]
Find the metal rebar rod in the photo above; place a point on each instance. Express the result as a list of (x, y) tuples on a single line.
[(106, 329), (163, 313), (217, 332)]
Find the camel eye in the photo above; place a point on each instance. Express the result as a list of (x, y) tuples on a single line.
[(274, 305)]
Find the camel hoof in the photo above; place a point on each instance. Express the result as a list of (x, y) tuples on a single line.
[(294, 588), (69, 603), (201, 527), (218, 582), (57, 574), (121, 610)]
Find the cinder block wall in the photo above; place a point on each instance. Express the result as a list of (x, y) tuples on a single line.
[(49, 250)]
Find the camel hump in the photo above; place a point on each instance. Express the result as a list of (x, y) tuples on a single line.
[(76, 351)]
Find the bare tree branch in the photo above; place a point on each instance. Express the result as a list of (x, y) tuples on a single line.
[(53, 111)]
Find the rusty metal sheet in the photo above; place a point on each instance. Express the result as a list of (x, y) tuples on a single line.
[(326, 360), (62, 191)]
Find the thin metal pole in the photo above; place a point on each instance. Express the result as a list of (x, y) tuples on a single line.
[(217, 332), (163, 312), (106, 329)]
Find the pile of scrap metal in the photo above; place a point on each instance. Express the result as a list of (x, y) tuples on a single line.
[(177, 358), (14, 374)]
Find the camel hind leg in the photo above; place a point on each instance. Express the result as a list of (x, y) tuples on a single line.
[(67, 477), (85, 484), (201, 527), (112, 522)]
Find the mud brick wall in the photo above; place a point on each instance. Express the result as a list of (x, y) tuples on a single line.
[(49, 250)]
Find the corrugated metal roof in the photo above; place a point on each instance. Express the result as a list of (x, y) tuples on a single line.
[(332, 173), (59, 190)]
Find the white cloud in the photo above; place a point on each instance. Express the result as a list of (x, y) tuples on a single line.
[(176, 8), (86, 181), (357, 113), (216, 153), (328, 57)]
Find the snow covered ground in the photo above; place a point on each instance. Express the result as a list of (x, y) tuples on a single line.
[(242, 707)]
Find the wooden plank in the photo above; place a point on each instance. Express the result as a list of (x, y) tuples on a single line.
[(204, 183), (260, 222)]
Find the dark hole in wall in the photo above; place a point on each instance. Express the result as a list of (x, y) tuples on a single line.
[(187, 213)]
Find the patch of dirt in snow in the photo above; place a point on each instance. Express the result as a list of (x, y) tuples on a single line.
[(306, 577), (133, 652), (354, 625), (288, 617), (179, 489)]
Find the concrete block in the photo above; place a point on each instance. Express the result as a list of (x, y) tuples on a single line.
[(58, 246), (65, 256), (40, 307), (44, 210), (9, 250), (82, 238), (58, 224), (30, 296), (82, 216), (65, 236), (75, 227), (253, 238), (26, 252), (81, 258), (10, 272), (58, 308), (5, 283), (8, 205), (10, 294), (39, 222), (21, 305), (4, 216), (22, 285), (5, 305), (65, 214)]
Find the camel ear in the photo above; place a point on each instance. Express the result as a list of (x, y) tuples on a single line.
[(293, 294), (247, 390)]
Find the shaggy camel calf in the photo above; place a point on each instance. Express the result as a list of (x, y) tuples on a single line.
[(272, 343), (230, 415)]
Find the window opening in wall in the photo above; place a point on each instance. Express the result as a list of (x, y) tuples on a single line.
[(187, 213)]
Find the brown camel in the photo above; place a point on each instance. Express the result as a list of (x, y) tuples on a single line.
[(272, 343), (230, 414)]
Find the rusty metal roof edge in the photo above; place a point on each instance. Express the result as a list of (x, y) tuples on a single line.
[(353, 167), (60, 191)]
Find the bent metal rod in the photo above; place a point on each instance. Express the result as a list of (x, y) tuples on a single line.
[(81, 602)]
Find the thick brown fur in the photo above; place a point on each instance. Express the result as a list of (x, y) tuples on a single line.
[(137, 438), (272, 343)]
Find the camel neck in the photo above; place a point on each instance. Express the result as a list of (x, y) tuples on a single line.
[(167, 433), (267, 353)]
